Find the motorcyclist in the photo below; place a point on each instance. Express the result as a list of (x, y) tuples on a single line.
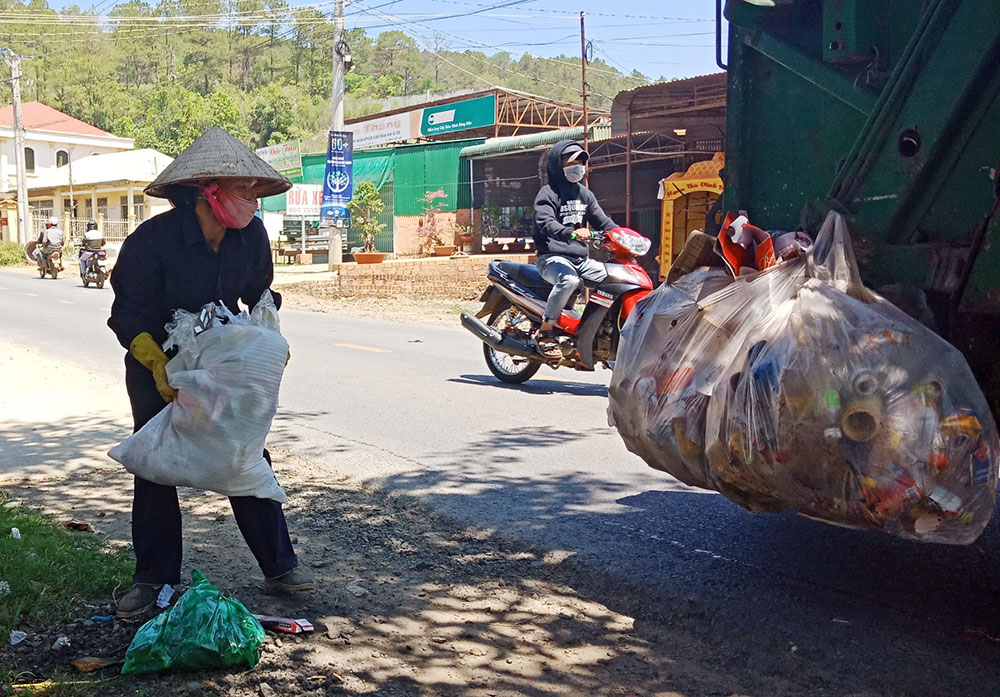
[(93, 240), (49, 240), (564, 208)]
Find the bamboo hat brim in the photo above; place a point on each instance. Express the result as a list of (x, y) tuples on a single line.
[(217, 155)]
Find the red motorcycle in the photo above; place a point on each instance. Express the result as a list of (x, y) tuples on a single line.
[(515, 302)]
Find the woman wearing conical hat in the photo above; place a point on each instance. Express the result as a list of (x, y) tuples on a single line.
[(209, 246)]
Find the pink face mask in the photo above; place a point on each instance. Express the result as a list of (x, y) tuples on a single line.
[(231, 210)]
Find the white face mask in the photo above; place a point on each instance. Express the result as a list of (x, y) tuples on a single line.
[(574, 173)]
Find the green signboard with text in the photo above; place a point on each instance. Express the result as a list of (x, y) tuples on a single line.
[(459, 116)]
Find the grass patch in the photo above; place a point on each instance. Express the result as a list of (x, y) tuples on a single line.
[(11, 253), (50, 565)]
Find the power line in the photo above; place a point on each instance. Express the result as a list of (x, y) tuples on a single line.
[(574, 16)]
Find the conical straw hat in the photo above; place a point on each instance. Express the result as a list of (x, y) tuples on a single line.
[(217, 155)]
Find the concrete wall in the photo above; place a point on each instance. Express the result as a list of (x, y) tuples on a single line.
[(408, 239), (432, 278)]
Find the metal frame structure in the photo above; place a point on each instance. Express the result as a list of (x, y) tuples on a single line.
[(696, 106), (520, 110), (645, 147)]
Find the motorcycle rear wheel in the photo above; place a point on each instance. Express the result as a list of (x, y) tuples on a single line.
[(512, 370), (100, 279)]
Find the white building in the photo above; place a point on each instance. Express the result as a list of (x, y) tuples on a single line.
[(52, 139), (107, 188)]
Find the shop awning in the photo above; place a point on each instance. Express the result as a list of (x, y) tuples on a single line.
[(495, 147)]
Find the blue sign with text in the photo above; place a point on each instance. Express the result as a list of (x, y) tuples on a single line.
[(338, 184)]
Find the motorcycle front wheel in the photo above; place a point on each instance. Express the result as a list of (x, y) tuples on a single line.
[(509, 369)]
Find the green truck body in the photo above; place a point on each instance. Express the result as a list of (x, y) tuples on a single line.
[(890, 113)]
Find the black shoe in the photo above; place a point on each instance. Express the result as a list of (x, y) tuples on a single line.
[(140, 600)]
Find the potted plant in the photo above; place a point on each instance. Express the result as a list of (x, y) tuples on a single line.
[(365, 207), (429, 230), (463, 233)]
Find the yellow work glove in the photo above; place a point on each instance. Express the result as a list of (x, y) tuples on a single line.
[(145, 350)]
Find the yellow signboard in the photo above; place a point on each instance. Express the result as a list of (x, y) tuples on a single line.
[(672, 190)]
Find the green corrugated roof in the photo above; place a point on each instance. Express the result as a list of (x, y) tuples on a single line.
[(533, 141)]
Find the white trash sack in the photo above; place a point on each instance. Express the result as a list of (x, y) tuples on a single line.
[(227, 373)]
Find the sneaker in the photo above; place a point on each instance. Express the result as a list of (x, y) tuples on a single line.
[(294, 580), (140, 600)]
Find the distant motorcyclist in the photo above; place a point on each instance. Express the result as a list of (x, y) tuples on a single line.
[(49, 240), (93, 240)]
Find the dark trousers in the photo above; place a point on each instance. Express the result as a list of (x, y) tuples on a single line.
[(156, 515)]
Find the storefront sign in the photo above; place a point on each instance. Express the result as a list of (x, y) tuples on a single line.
[(388, 129), (304, 200), (338, 184), (430, 121), (284, 157), (459, 116)]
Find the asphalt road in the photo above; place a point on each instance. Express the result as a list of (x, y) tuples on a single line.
[(539, 464)]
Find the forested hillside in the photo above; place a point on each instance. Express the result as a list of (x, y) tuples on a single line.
[(162, 73)]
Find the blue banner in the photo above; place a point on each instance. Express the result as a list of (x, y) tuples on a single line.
[(338, 184)]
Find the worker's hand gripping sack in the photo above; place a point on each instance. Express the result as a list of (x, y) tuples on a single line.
[(798, 388), (227, 373)]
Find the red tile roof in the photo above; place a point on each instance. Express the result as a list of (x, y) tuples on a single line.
[(40, 117)]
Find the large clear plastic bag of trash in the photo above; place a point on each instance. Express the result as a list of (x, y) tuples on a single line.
[(203, 630), (227, 372), (798, 388)]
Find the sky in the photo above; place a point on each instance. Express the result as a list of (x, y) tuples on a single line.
[(666, 39)]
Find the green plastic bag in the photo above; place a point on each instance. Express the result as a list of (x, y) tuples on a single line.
[(202, 630)]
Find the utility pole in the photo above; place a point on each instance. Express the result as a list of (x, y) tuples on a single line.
[(584, 93), (23, 224), (336, 255)]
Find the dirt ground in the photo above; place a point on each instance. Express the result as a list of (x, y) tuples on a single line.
[(406, 604)]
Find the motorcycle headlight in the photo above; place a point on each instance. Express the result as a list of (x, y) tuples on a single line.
[(636, 244)]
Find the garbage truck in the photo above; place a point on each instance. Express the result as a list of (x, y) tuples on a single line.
[(873, 128), (889, 113)]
